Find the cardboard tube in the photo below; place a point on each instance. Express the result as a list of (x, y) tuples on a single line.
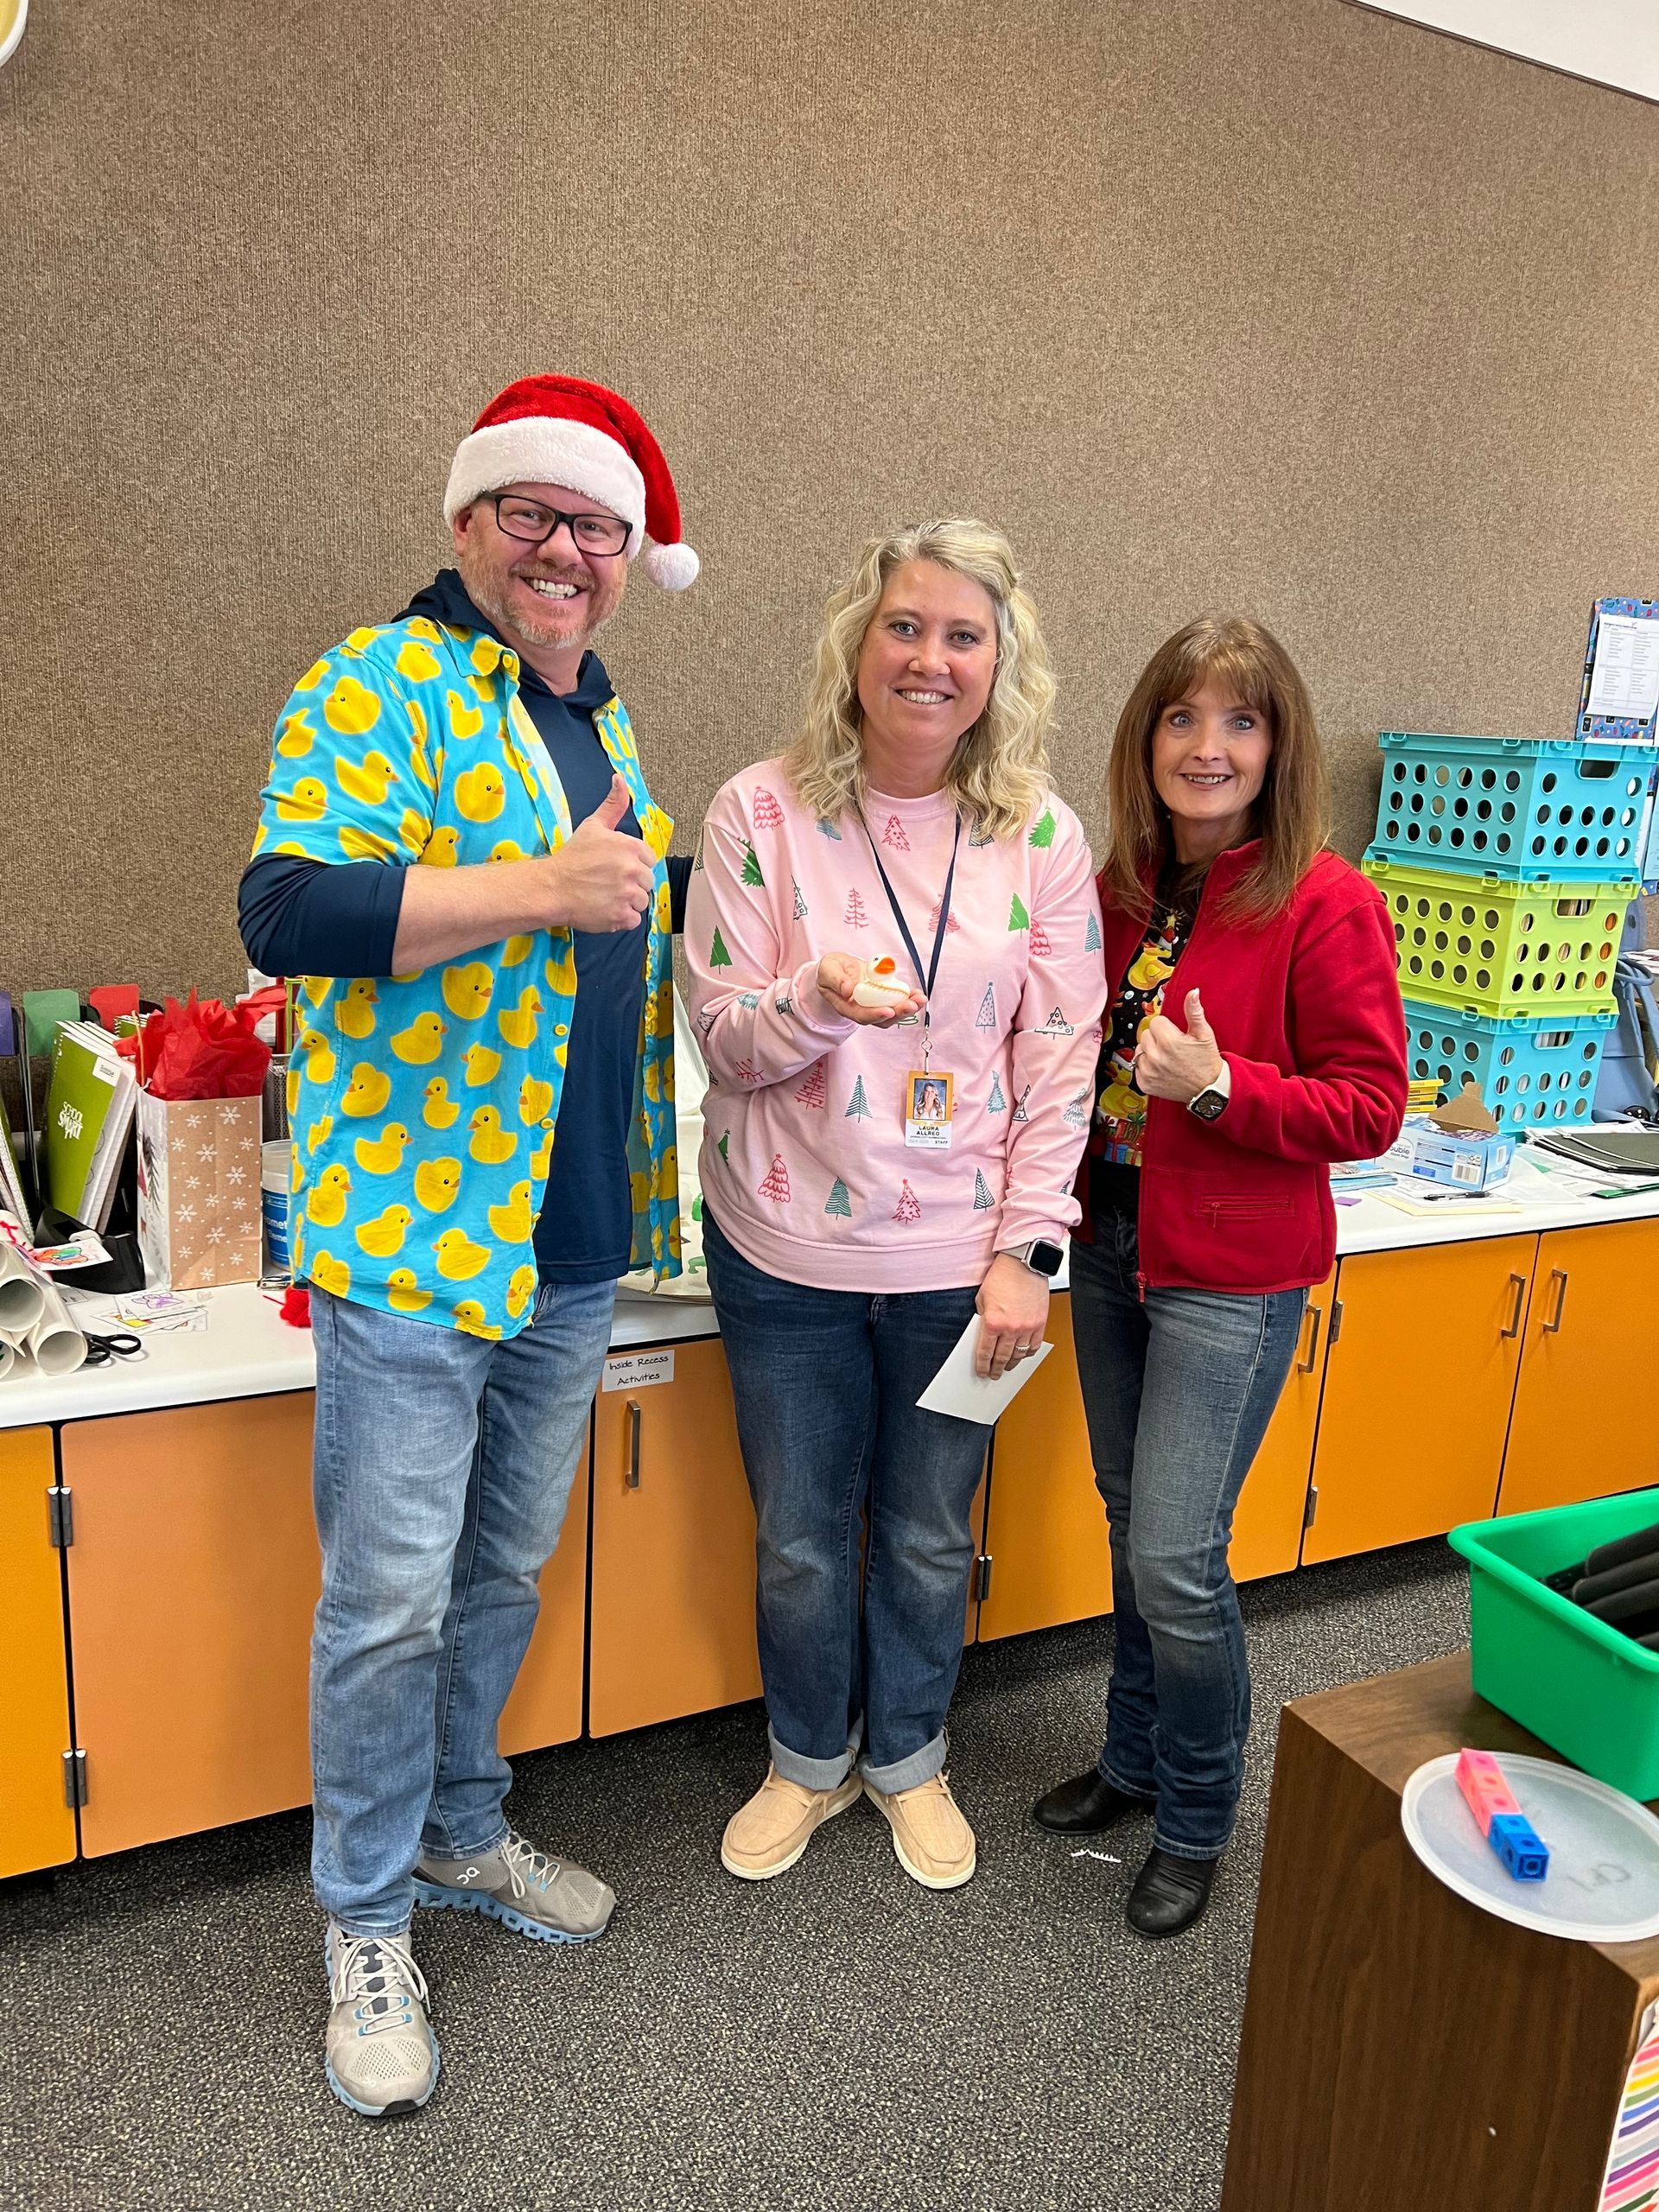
[(8, 1356), (21, 1298), (57, 1344)]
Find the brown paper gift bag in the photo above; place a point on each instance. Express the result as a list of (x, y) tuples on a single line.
[(198, 1219)]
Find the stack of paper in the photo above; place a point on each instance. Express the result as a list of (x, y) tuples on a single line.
[(89, 1110), (1621, 1148), (12, 1199), (1361, 1175)]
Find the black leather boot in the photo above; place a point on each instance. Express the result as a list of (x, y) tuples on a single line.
[(1169, 1893), (1085, 1805)]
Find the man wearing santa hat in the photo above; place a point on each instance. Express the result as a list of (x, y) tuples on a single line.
[(460, 862)]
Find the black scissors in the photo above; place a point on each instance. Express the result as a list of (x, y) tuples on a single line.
[(102, 1350)]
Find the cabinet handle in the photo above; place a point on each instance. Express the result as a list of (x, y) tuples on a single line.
[(1514, 1329), (1556, 1274), (1304, 1365), (633, 1444)]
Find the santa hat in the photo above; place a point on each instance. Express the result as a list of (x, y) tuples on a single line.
[(564, 430)]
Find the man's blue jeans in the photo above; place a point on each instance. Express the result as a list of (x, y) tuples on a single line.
[(441, 1467), (1179, 1393), (826, 1384)]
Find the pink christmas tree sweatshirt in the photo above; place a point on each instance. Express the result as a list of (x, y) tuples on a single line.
[(804, 1162)]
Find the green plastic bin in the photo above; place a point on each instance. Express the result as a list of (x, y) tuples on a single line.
[(1589, 1692)]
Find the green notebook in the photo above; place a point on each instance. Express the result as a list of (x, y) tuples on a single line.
[(89, 1109)]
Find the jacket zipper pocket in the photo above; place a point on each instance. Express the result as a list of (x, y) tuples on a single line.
[(1217, 1211)]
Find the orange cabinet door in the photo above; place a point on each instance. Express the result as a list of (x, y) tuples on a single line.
[(1268, 1526), (672, 1599), (1045, 1529), (1584, 1422), (37, 1827), (1419, 1381), (193, 1579), (1046, 1533)]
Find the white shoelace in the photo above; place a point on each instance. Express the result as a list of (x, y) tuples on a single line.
[(377, 1975), (526, 1866)]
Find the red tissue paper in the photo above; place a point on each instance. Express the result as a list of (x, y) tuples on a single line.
[(202, 1049)]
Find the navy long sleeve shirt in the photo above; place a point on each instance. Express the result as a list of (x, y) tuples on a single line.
[(303, 917)]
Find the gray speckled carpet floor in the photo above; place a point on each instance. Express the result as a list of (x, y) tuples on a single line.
[(836, 2038)]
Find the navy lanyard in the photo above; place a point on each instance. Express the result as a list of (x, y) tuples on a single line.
[(899, 912)]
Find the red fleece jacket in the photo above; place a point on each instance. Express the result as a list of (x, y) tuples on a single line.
[(1305, 1008)]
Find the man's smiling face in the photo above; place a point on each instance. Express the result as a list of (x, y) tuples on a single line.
[(552, 597)]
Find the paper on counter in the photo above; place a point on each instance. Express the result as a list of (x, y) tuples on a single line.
[(956, 1390)]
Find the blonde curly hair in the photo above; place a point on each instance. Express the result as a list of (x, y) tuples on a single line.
[(999, 773)]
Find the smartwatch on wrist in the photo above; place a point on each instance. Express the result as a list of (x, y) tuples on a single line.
[(1210, 1101), (1039, 1256)]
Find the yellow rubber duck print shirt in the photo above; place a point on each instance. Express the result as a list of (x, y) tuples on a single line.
[(424, 1108)]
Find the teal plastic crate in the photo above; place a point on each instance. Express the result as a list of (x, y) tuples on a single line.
[(1526, 809), (1532, 1074), (1590, 1693)]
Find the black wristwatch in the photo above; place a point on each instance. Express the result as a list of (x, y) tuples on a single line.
[(1208, 1103), (1039, 1256)]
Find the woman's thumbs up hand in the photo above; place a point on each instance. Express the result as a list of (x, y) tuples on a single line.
[(1178, 1064)]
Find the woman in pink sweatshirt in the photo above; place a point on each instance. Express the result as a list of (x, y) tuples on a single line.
[(880, 1166)]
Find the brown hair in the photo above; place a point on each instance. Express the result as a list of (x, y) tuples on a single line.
[(1292, 809)]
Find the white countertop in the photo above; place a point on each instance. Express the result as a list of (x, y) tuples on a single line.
[(248, 1350)]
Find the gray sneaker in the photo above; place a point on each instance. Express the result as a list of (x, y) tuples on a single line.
[(380, 2054), (522, 1887)]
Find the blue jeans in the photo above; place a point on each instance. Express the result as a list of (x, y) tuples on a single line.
[(441, 1468), (826, 1384), (1179, 1393)]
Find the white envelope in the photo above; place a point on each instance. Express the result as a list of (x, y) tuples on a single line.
[(956, 1390)]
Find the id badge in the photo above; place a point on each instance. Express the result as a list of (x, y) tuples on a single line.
[(930, 1101)]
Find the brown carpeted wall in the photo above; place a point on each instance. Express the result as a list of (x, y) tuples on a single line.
[(1267, 304)]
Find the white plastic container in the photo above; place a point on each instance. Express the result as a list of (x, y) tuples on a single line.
[(275, 1161)]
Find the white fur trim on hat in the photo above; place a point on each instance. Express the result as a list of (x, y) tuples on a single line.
[(671, 568), (546, 449)]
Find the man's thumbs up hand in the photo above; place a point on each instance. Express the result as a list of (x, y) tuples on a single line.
[(601, 880), (1178, 1064), (610, 810)]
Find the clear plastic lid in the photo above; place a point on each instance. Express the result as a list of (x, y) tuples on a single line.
[(1603, 1883)]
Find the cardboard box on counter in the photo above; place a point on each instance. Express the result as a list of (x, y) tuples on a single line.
[(1459, 1144)]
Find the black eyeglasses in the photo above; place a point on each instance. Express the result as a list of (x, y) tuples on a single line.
[(533, 523)]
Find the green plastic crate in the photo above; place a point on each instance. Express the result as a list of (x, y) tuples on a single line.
[(1590, 1693), (1503, 948)]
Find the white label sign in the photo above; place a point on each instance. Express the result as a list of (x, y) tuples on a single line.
[(1625, 682), (636, 1370)]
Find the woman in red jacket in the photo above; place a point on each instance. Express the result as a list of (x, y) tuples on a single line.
[(1254, 1034)]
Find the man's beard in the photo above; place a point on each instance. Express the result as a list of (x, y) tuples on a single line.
[(533, 632)]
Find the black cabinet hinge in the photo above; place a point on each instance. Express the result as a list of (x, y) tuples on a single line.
[(74, 1778), (982, 1576), (1312, 1507), (61, 1515)]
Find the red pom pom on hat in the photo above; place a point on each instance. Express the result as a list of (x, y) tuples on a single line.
[(565, 430)]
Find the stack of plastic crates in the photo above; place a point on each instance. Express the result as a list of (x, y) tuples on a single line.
[(1509, 866)]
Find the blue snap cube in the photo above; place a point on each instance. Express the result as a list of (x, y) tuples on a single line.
[(1518, 1844)]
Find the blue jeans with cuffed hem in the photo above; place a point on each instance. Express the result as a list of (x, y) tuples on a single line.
[(825, 1383), (1179, 1392), (441, 1468)]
